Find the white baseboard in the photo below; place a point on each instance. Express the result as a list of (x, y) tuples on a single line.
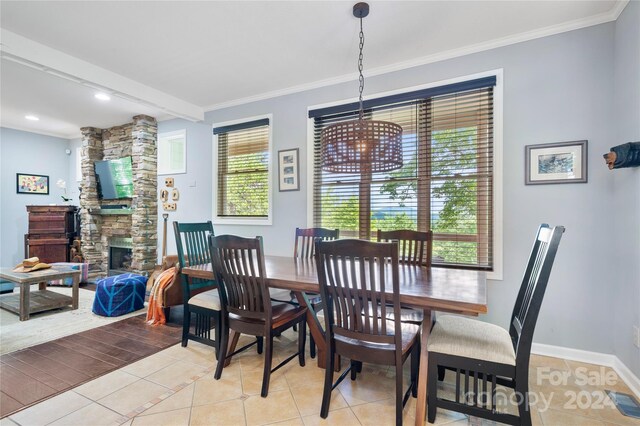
[(608, 360)]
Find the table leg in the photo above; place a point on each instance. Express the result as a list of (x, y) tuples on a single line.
[(75, 291), (421, 403), (42, 285), (315, 329), (24, 301)]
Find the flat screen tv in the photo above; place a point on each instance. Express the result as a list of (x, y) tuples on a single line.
[(114, 178)]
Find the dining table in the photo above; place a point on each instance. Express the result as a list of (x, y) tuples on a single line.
[(429, 289)]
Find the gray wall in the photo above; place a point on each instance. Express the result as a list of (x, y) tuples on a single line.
[(24, 152), (625, 187), (558, 88), (195, 186)]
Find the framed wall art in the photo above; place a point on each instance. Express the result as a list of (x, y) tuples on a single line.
[(288, 170), (27, 183), (562, 162)]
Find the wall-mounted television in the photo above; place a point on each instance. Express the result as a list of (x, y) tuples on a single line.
[(114, 178)]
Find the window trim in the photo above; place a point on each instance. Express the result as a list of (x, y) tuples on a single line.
[(223, 220), (498, 250)]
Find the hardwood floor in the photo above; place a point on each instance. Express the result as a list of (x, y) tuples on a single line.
[(39, 372)]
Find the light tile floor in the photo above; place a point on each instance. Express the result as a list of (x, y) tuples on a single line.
[(176, 387)]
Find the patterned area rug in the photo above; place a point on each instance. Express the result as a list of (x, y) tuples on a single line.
[(46, 326)]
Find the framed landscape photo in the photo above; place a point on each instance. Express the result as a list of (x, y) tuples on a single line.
[(288, 170), (32, 184), (562, 162)]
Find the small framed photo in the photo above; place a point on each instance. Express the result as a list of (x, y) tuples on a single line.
[(288, 170), (27, 183), (562, 162)]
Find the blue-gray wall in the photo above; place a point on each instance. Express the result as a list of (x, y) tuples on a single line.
[(24, 152), (557, 88), (625, 187)]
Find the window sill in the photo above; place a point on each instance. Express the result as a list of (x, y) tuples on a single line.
[(241, 221)]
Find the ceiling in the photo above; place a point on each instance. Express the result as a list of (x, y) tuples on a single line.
[(170, 58)]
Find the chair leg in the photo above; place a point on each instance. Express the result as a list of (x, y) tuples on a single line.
[(524, 410), (441, 373), (217, 317), (302, 340), (186, 324), (354, 369), (224, 343), (415, 363), (312, 346), (167, 312), (399, 394), (268, 357), (260, 344), (432, 390), (328, 383)]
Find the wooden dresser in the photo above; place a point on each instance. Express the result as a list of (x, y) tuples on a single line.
[(51, 232)]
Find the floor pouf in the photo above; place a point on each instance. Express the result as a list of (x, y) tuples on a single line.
[(119, 295)]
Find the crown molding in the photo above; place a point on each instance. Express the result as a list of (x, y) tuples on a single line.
[(601, 18), (40, 132)]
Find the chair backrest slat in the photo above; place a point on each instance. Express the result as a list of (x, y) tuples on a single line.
[(534, 283), (239, 264), (306, 237), (415, 247), (355, 279), (191, 242)]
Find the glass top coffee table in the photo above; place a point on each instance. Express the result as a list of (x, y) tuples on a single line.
[(28, 302)]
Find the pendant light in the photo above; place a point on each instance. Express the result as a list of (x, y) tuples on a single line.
[(361, 146)]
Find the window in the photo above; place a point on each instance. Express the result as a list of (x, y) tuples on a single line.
[(242, 178), (172, 152), (445, 184)]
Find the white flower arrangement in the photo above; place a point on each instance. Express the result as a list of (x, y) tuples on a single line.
[(63, 185)]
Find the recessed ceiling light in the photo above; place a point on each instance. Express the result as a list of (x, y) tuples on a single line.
[(102, 96), (31, 117)]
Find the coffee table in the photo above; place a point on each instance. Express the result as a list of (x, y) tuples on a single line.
[(28, 302)]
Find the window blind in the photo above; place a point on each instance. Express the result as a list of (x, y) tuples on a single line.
[(243, 170), (445, 183)]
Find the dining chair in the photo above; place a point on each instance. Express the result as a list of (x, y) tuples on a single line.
[(414, 248), (246, 303), (485, 355), (353, 275), (304, 248), (200, 296)]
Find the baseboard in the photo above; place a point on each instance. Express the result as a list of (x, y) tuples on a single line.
[(608, 360)]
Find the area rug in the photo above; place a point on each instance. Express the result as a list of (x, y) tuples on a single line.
[(50, 325)]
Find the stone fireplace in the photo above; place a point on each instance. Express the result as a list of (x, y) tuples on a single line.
[(125, 235)]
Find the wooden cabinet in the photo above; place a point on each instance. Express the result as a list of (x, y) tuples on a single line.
[(51, 232)]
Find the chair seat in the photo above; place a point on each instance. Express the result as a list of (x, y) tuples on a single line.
[(279, 294), (280, 312), (470, 338), (208, 300), (409, 334)]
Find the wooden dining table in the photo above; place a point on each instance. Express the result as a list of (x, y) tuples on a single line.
[(429, 289)]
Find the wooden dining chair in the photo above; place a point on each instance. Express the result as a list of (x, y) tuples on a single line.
[(414, 248), (353, 275), (246, 303), (304, 248), (306, 237), (200, 296), (484, 355)]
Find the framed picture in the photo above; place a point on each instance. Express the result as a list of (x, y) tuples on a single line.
[(32, 184), (562, 162), (288, 170)]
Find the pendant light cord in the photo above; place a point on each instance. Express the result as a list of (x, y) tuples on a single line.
[(361, 78)]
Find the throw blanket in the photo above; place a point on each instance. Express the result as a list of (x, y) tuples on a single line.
[(155, 313)]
